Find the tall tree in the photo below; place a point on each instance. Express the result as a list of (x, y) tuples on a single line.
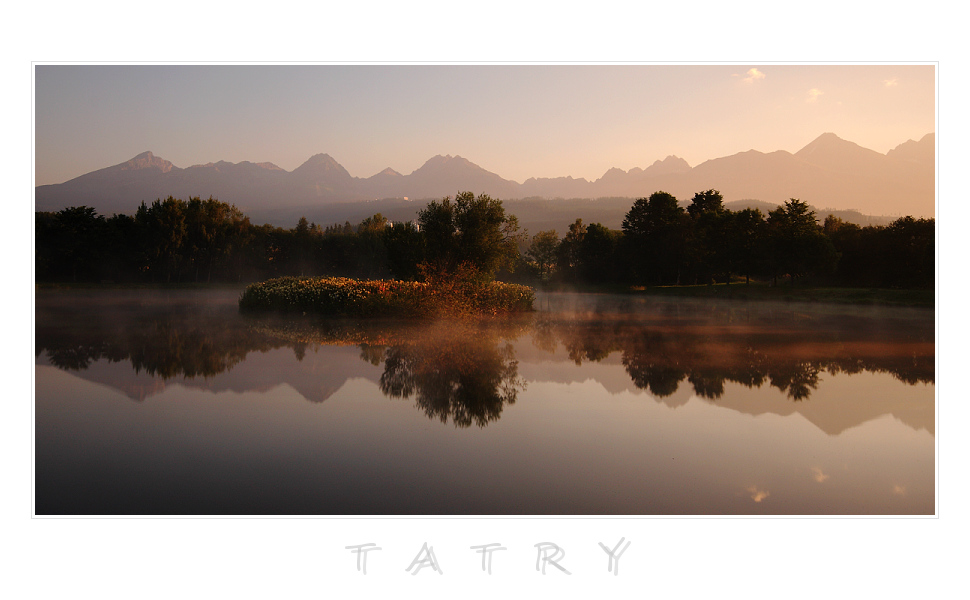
[(797, 246), (210, 226), (709, 236), (598, 261), (710, 203), (912, 244), (371, 249), (472, 231), (542, 251), (405, 250), (567, 255), (746, 242), (75, 234), (655, 231), (164, 229)]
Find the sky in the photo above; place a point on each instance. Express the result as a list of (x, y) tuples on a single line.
[(518, 121)]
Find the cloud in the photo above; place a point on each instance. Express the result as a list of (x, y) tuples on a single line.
[(819, 475), (813, 94), (753, 75), (891, 82), (758, 495)]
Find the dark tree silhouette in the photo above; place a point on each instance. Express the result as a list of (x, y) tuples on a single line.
[(542, 251), (797, 245), (470, 230), (655, 231)]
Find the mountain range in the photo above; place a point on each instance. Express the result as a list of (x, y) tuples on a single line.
[(827, 173)]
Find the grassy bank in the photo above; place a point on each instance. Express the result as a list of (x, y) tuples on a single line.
[(340, 296)]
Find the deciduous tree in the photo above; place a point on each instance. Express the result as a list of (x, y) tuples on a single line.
[(470, 230), (655, 231), (542, 251)]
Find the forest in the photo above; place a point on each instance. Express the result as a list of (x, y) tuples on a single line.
[(661, 243)]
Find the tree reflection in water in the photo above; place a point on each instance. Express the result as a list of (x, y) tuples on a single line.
[(469, 381), (178, 339), (467, 371), (463, 371), (659, 355)]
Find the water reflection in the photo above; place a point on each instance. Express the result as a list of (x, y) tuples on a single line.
[(462, 371), (671, 407), (166, 335), (466, 372), (663, 344), (468, 381)]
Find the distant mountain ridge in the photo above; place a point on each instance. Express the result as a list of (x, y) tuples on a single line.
[(828, 172)]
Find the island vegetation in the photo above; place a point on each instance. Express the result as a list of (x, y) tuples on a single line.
[(459, 295), (466, 242), (469, 245)]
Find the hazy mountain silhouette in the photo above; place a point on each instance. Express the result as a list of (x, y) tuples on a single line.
[(245, 180), (322, 177), (447, 175), (829, 173), (923, 151)]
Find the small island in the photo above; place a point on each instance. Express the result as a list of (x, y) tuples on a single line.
[(465, 242), (340, 296)]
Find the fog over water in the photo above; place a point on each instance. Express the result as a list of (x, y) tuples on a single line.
[(174, 403)]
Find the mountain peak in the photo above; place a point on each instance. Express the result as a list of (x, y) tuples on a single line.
[(320, 158), (824, 142), (668, 166), (829, 150), (446, 161), (437, 159), (614, 175), (320, 162), (147, 160), (323, 175), (923, 151)]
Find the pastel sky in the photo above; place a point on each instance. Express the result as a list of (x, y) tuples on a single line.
[(515, 120)]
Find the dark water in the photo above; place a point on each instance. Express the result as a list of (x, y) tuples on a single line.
[(174, 403)]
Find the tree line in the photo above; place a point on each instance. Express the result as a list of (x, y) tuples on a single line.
[(663, 243), (660, 243)]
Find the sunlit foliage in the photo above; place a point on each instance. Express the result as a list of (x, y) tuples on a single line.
[(454, 295)]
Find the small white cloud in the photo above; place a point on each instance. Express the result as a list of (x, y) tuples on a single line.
[(813, 94), (891, 82), (756, 494), (753, 75), (819, 475)]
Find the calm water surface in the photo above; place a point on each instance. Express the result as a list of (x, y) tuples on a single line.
[(174, 403)]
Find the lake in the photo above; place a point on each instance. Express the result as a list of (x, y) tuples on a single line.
[(174, 403)]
